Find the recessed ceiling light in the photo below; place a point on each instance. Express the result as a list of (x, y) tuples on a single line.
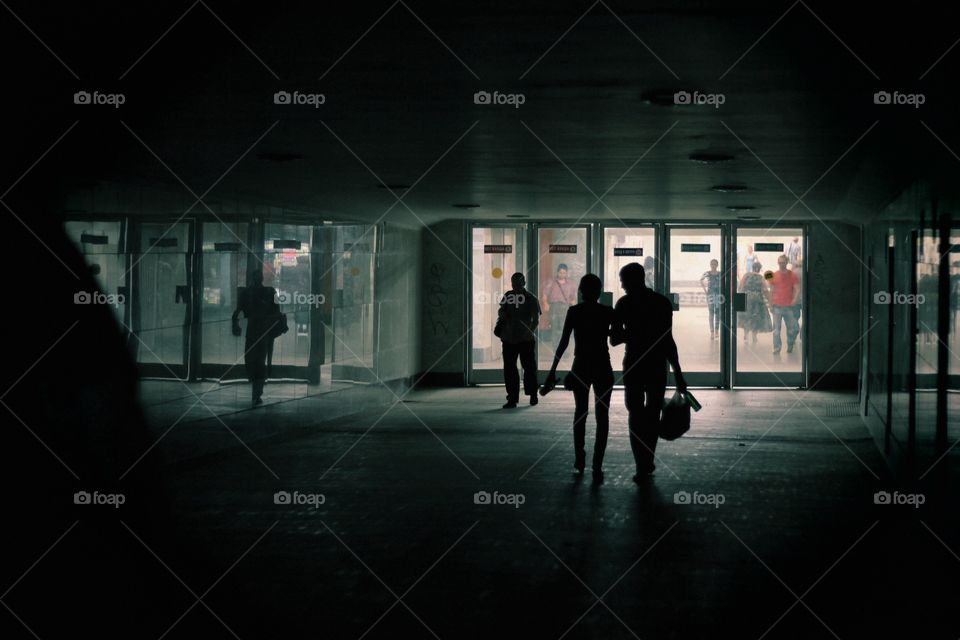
[(728, 188), (517, 215), (740, 207), (710, 158), (465, 205), (659, 97), (279, 156)]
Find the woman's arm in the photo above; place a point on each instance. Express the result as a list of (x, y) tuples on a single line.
[(564, 343)]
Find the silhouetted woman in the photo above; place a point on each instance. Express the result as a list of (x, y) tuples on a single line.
[(259, 305), (590, 324)]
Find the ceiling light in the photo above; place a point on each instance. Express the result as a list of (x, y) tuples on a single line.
[(710, 158), (728, 188), (740, 207)]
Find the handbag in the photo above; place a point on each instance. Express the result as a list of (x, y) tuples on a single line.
[(278, 325), (675, 417)]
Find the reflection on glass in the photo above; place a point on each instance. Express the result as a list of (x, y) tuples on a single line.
[(622, 246), (286, 268), (224, 271), (498, 253), (697, 286), (767, 299), (99, 242), (164, 293)]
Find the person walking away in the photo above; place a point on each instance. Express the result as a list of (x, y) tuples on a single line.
[(643, 320), (517, 321), (590, 324), (259, 306)]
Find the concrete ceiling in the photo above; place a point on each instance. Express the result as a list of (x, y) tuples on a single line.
[(399, 79)]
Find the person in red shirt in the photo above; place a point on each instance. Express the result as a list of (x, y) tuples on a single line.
[(784, 293)]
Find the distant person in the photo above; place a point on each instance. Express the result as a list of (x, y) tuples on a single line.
[(643, 319), (710, 283), (558, 295), (590, 323), (259, 305), (784, 293), (517, 329), (755, 317), (751, 259), (794, 253), (649, 266)]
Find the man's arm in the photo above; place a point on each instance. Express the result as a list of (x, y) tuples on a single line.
[(673, 357), (796, 291), (618, 334)]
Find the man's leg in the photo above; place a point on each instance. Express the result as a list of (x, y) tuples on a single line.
[(777, 317), (511, 377), (529, 364), (639, 426), (792, 320), (602, 392)]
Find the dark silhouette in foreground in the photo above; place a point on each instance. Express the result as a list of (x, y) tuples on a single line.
[(590, 323), (643, 320), (516, 327), (259, 305)]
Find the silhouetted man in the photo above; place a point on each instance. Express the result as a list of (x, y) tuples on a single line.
[(516, 327), (259, 305), (643, 319)]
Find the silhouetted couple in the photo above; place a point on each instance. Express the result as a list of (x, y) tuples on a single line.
[(643, 320)]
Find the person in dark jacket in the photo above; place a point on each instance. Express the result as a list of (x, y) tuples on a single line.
[(516, 327), (259, 305), (590, 324), (643, 320)]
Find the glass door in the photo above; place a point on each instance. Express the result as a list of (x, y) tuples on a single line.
[(563, 257), (696, 273), (286, 268), (768, 307), (496, 254), (225, 265), (621, 246), (164, 299)]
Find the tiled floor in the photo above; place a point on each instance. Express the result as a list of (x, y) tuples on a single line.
[(400, 548)]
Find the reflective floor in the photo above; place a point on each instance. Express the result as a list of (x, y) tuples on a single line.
[(766, 501)]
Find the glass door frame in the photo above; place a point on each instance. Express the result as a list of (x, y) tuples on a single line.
[(533, 268), (526, 234), (762, 379), (719, 379)]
